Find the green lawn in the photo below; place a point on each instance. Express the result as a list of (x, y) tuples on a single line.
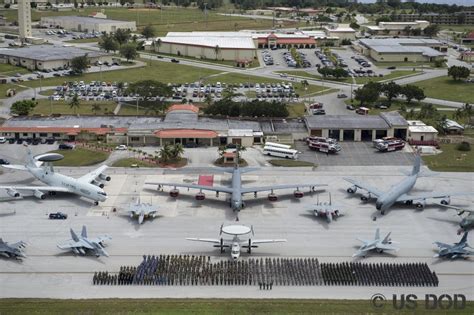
[(82, 40), (7, 69), (290, 163), (447, 89), (404, 64), (457, 28), (296, 110), (451, 160), (208, 306), (161, 71), (133, 161), (5, 87), (392, 76), (80, 157), (46, 107)]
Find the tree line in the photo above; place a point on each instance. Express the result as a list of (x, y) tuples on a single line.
[(371, 92), (254, 108)]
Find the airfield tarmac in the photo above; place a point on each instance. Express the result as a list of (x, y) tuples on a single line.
[(49, 272)]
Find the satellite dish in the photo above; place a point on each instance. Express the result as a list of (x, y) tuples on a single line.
[(49, 157)]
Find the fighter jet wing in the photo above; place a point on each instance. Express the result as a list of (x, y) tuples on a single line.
[(207, 240), (359, 184), (442, 245), (89, 177), (100, 239), (199, 187), (73, 244), (265, 241), (247, 190), (406, 197), (17, 245), (33, 188), (386, 247)]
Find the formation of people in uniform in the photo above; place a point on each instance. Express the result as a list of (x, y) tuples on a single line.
[(184, 270)]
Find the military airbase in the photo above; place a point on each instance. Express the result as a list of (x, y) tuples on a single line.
[(49, 272)]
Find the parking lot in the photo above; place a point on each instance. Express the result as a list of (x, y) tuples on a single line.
[(355, 154)]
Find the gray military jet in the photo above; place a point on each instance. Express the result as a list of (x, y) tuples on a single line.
[(467, 222), (377, 244), (88, 186), (236, 190), (12, 250), (141, 210), (326, 210), (399, 192), (453, 251), (82, 244), (235, 244)]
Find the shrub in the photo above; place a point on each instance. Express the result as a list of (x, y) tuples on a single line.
[(464, 146)]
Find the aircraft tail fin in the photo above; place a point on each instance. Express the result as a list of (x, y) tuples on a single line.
[(417, 165), (84, 231), (463, 239), (377, 234), (30, 160), (1, 241), (74, 236), (387, 238)]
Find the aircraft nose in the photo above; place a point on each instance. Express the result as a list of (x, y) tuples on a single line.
[(378, 205)]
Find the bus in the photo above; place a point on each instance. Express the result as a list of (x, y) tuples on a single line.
[(277, 145), (280, 152)]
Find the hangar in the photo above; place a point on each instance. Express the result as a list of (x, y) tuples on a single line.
[(87, 24), (357, 128)]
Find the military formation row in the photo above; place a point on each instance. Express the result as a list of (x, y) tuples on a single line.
[(168, 270)]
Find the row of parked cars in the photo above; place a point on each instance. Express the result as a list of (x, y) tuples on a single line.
[(291, 62), (361, 61), (267, 58), (33, 141), (324, 59)]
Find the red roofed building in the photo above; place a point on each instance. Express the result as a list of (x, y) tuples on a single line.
[(468, 39), (284, 40), (187, 107)]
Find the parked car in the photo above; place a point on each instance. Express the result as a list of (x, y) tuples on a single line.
[(65, 146), (4, 162), (392, 68), (121, 147), (350, 107), (3, 139), (341, 95), (175, 60), (57, 216)]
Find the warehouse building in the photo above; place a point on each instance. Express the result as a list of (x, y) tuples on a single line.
[(342, 31), (396, 28), (44, 57), (357, 128), (419, 131), (87, 24), (402, 49), (233, 46)]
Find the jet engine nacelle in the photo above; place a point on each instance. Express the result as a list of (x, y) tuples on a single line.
[(420, 204), (446, 201), (38, 194), (174, 193), (105, 177), (200, 196), (365, 197), (298, 194), (13, 193), (272, 197), (352, 189), (97, 183)]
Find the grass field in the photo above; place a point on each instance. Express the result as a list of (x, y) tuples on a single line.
[(392, 76), (457, 28), (451, 160), (5, 87), (161, 71), (230, 63), (46, 107), (207, 306), (82, 40), (133, 161), (80, 157), (404, 64), (166, 20), (447, 89), (7, 69), (290, 163), (296, 110)]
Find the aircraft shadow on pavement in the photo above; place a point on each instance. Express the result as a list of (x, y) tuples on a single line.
[(17, 261), (322, 221), (88, 256), (7, 214), (226, 255)]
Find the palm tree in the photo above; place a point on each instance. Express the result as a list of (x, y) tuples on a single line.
[(165, 153), (74, 103), (157, 44), (176, 151)]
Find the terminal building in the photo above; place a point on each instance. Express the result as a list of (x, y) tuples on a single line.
[(402, 49), (357, 128), (45, 57), (87, 24)]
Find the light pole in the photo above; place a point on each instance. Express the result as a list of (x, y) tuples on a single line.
[(353, 80)]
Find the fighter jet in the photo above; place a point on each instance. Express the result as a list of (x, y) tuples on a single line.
[(12, 250), (88, 186), (399, 192), (377, 244), (235, 244), (81, 244), (453, 251), (141, 210), (325, 210), (467, 222), (236, 190)]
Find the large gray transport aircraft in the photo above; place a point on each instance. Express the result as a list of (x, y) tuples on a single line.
[(236, 190), (399, 192), (88, 186)]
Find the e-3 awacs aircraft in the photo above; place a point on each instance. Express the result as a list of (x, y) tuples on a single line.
[(88, 186), (236, 190)]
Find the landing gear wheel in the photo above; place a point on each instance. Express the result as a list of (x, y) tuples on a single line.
[(382, 212), (96, 203)]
